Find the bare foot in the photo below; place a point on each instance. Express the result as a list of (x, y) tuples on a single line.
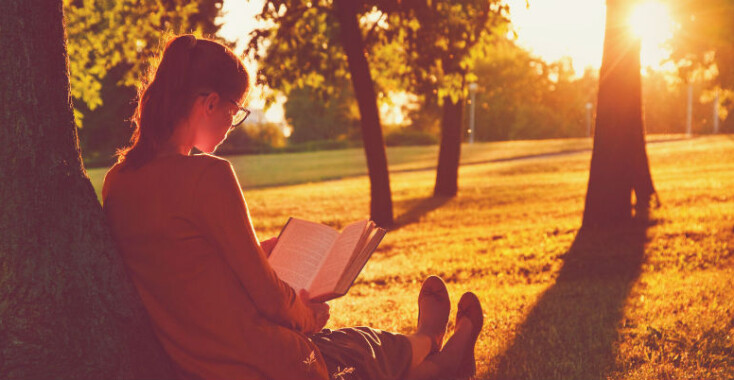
[(433, 311), (469, 309), (446, 363)]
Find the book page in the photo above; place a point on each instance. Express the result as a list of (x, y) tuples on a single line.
[(302, 247), (337, 260), (358, 261)]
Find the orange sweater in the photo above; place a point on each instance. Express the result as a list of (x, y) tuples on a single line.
[(184, 232)]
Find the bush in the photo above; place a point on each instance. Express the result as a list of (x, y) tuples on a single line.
[(407, 137), (313, 146), (253, 139)]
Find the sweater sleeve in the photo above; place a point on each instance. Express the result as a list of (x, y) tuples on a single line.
[(220, 207)]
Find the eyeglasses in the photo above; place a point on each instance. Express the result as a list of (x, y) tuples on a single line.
[(239, 116)]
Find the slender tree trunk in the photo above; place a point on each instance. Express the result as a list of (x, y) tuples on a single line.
[(619, 163), (452, 133), (67, 309), (364, 90), (447, 172)]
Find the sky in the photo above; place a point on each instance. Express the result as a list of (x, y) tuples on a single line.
[(553, 29)]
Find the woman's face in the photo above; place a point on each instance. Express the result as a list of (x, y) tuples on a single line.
[(217, 114)]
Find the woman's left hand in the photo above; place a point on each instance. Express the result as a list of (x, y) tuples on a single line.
[(320, 311), (268, 245)]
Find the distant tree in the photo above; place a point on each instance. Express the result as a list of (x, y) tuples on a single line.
[(523, 97), (619, 165), (67, 309), (704, 38), (300, 51), (703, 50), (664, 99), (315, 116), (440, 37)]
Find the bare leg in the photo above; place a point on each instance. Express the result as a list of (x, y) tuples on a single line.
[(446, 362), (421, 345)]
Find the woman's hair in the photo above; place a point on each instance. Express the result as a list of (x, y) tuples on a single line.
[(188, 67)]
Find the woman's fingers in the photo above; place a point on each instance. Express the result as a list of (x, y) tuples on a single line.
[(268, 245)]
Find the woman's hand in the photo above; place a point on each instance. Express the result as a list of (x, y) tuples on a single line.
[(268, 245), (320, 311)]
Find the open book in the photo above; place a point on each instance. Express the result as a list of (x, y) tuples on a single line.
[(322, 260)]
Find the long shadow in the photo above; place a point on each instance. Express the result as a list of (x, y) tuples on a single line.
[(571, 332), (418, 209)]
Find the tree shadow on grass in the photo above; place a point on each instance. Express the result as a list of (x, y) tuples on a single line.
[(419, 208), (571, 332)]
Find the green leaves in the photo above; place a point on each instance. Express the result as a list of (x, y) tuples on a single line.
[(441, 37), (103, 34)]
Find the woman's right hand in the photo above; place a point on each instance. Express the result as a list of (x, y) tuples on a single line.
[(320, 311)]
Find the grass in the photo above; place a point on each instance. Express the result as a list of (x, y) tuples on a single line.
[(645, 300), (267, 170)]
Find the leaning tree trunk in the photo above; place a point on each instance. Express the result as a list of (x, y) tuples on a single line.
[(364, 89), (619, 163), (67, 309), (449, 153)]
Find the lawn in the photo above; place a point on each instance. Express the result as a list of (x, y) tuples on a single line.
[(645, 300)]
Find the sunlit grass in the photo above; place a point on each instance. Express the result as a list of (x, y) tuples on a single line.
[(618, 305), (292, 168)]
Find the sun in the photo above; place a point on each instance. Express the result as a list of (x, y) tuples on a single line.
[(650, 21)]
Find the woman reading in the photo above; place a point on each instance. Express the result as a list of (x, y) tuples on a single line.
[(187, 241)]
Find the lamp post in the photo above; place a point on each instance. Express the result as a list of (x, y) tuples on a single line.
[(588, 118), (473, 96), (689, 111), (716, 112)]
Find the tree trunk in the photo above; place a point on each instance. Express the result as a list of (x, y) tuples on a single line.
[(364, 89), (67, 309), (447, 173), (619, 163)]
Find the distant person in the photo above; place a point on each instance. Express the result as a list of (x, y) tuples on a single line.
[(185, 235)]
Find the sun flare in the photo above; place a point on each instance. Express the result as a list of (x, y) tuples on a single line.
[(650, 21)]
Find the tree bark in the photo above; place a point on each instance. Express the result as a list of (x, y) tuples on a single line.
[(374, 144), (619, 164), (67, 309), (449, 154), (452, 133)]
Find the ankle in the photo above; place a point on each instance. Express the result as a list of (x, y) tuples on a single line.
[(432, 339)]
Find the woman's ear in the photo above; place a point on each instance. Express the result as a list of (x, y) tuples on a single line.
[(210, 102)]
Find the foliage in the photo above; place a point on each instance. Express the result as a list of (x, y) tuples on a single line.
[(110, 46), (301, 54), (520, 96), (301, 48), (406, 137), (703, 39), (315, 115), (703, 47), (440, 38), (253, 138), (426, 115), (422, 48), (103, 34)]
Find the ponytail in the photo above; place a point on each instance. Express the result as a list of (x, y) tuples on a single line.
[(187, 67)]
